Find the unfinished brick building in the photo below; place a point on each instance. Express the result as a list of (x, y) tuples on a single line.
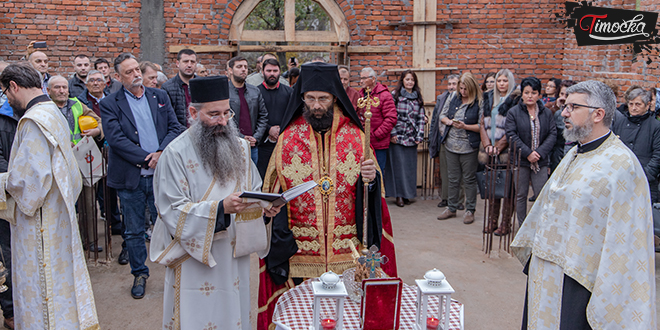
[(433, 37)]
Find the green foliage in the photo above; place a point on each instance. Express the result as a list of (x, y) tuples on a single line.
[(269, 15)]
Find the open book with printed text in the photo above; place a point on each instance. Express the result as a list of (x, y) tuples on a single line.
[(283, 198)]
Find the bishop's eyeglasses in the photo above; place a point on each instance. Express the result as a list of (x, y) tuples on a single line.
[(310, 100)]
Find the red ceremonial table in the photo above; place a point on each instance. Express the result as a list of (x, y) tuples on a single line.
[(294, 309)]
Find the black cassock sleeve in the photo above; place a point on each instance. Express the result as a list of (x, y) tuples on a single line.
[(375, 224), (282, 247)]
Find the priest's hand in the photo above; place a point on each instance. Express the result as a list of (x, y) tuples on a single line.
[(152, 158), (273, 211), (368, 169), (234, 204)]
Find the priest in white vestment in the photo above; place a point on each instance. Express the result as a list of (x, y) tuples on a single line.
[(51, 285), (587, 243), (205, 232)]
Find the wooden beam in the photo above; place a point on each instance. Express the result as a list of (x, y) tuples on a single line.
[(205, 48), (280, 35), (277, 48), (290, 20), (339, 19), (423, 23), (242, 12), (440, 68)]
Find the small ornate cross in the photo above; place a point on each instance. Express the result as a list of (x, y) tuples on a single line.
[(373, 260)]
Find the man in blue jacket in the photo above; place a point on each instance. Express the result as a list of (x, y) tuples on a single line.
[(139, 123)]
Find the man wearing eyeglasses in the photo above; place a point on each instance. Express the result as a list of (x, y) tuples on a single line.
[(93, 93), (587, 243), (207, 231), (37, 196), (383, 115), (321, 140), (91, 97)]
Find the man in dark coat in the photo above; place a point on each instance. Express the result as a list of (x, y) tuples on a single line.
[(276, 97), (248, 104), (177, 87)]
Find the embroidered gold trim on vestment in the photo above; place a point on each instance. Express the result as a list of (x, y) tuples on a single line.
[(310, 232), (345, 230), (309, 246)]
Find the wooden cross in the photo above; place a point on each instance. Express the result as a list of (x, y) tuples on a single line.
[(373, 260)]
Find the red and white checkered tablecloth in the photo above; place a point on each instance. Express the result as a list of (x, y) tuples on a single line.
[(294, 309)]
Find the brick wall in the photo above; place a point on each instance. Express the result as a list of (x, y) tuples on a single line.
[(491, 34), (613, 62), (197, 22), (96, 28)]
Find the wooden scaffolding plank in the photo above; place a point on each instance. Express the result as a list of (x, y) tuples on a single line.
[(277, 48)]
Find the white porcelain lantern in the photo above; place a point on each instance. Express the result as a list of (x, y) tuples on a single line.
[(330, 286), (434, 284)]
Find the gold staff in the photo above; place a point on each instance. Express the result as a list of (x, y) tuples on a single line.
[(366, 102)]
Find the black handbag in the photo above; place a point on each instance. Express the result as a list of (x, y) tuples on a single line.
[(500, 185)]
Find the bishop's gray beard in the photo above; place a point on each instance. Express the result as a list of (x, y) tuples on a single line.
[(577, 133), (319, 124), (219, 149)]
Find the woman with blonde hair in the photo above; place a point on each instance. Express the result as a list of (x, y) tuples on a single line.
[(459, 120), (495, 143)]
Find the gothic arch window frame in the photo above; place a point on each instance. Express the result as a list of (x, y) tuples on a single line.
[(340, 33)]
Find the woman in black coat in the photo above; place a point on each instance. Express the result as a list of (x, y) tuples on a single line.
[(531, 126), (641, 133)]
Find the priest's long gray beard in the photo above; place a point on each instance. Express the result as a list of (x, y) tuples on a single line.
[(577, 133), (219, 149)]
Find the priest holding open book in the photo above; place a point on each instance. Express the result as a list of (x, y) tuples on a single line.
[(206, 232), (322, 141)]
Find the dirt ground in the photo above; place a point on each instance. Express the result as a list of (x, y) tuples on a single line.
[(491, 288)]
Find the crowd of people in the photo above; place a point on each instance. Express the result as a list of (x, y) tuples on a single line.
[(182, 149)]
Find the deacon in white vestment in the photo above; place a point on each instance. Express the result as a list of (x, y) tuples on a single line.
[(205, 232), (587, 242), (51, 285)]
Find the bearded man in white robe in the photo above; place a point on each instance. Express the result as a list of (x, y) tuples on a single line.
[(587, 243), (51, 286), (206, 232)]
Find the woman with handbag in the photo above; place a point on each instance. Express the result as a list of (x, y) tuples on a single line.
[(531, 126), (401, 168), (460, 120), (494, 144)]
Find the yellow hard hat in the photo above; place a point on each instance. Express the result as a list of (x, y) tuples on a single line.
[(87, 122)]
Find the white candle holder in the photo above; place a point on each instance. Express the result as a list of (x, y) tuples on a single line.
[(330, 286), (433, 284)]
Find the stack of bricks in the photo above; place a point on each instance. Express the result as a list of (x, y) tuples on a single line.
[(489, 35)]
